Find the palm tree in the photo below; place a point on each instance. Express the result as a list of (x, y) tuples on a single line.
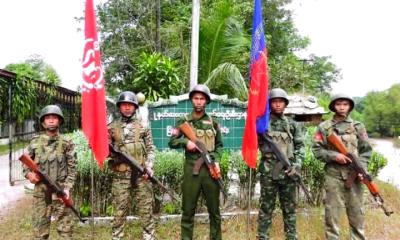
[(223, 50)]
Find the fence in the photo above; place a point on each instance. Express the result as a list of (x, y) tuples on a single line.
[(18, 134)]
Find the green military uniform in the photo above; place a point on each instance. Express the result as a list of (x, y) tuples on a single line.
[(55, 156), (287, 134), (354, 136), (128, 135), (207, 131)]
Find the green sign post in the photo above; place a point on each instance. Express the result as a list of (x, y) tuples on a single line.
[(229, 113)]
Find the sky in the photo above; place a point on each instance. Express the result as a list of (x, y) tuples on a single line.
[(361, 36)]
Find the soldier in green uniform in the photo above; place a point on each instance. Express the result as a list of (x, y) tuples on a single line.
[(338, 196), (128, 135), (208, 131), (54, 154), (287, 134)]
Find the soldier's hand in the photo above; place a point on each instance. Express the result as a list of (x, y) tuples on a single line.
[(148, 174), (342, 159), (66, 191), (291, 171), (191, 146), (33, 177)]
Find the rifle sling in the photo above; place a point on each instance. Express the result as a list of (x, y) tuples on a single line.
[(197, 165), (350, 179)]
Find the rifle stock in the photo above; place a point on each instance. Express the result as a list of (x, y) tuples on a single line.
[(285, 164), (141, 170), (186, 129), (53, 186), (355, 164)]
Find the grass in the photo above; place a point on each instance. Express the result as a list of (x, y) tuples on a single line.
[(15, 223)]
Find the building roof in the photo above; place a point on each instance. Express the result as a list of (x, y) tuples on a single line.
[(303, 105)]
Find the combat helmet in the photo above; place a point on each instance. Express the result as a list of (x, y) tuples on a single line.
[(201, 88), (340, 96), (128, 97), (278, 93), (51, 109)]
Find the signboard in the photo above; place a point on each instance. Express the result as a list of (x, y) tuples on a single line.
[(229, 113)]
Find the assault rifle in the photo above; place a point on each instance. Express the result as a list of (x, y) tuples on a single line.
[(53, 186), (123, 157), (205, 157), (355, 164), (283, 163)]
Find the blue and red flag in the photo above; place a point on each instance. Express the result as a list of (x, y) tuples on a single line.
[(257, 108)]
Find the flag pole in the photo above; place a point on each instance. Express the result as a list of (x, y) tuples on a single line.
[(248, 206), (92, 192)]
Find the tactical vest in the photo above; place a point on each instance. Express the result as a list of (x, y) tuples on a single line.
[(50, 155), (348, 134), (284, 140), (207, 135), (127, 139)]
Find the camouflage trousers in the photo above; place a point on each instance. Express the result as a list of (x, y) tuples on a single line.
[(143, 197), (44, 207), (286, 190), (338, 197)]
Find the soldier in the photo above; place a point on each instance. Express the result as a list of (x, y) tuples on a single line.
[(287, 134), (128, 135), (54, 154), (208, 131), (354, 136)]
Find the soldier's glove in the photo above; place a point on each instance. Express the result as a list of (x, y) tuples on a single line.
[(292, 171), (33, 177)]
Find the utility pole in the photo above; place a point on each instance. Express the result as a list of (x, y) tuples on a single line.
[(194, 50)]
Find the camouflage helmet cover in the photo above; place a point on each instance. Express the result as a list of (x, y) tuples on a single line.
[(201, 88), (278, 93), (128, 97), (51, 109), (343, 97)]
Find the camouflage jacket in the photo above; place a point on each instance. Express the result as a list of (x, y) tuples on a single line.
[(353, 135), (129, 135), (54, 156), (288, 135), (204, 123)]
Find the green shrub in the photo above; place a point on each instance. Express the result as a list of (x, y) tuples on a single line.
[(377, 163)]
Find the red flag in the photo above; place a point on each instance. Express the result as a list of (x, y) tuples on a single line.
[(257, 106), (94, 123)]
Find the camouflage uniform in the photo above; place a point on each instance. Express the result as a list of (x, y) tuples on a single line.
[(54, 156), (354, 136), (128, 135), (287, 134), (207, 131)]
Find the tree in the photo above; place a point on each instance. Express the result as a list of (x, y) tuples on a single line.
[(45, 72), (156, 77), (130, 27)]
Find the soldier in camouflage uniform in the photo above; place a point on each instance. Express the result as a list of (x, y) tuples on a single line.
[(54, 154), (208, 131), (338, 196), (287, 134), (128, 135)]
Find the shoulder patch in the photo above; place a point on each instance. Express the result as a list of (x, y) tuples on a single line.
[(318, 137)]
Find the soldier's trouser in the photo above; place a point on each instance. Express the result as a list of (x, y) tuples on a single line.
[(286, 189), (337, 197), (44, 207), (143, 194), (192, 186)]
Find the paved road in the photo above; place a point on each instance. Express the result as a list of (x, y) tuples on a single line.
[(8, 194)]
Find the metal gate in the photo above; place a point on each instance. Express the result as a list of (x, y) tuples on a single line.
[(18, 134)]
